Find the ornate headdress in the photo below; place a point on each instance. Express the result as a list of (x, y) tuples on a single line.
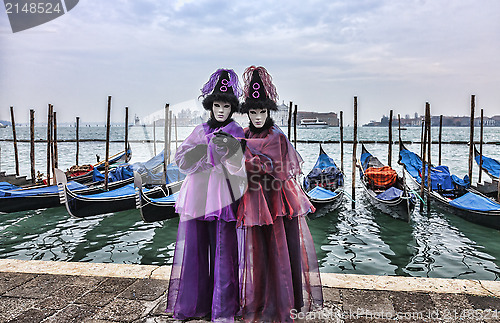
[(222, 86), (259, 90)]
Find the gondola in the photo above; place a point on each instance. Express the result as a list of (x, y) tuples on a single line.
[(324, 185), (87, 177), (489, 165), (385, 189), (14, 199), (42, 197), (492, 168), (452, 193), (116, 200), (156, 209)]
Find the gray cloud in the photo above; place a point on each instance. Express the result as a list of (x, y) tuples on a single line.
[(392, 54)]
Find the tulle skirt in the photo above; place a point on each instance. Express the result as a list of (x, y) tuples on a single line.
[(204, 278), (279, 271), (267, 199)]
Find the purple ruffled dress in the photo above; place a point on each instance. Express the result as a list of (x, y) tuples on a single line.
[(204, 278)]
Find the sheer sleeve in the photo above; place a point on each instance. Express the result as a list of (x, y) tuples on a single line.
[(185, 164)]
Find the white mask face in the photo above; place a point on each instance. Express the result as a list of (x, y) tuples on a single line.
[(258, 117), (221, 110)]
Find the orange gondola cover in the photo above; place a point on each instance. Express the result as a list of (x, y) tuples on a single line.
[(381, 177)]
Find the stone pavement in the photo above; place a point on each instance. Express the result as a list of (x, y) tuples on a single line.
[(39, 291)]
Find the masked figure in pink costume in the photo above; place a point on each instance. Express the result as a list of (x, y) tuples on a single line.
[(279, 268), (204, 278)]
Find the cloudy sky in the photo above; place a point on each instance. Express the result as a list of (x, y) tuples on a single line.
[(392, 54)]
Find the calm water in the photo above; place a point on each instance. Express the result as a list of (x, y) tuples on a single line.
[(361, 241)]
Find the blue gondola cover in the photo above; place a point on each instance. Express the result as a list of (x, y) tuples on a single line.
[(491, 165), (40, 190), (146, 168), (170, 198), (471, 201), (320, 193), (390, 194), (364, 159), (117, 174), (324, 171), (5, 186), (440, 175)]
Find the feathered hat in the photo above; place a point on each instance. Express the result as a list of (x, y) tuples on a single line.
[(259, 90), (222, 86)]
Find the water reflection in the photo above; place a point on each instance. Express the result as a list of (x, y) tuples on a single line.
[(160, 250), (118, 238), (364, 241), (397, 235)]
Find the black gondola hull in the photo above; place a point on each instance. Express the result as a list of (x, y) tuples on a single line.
[(17, 204), (327, 204), (48, 200), (153, 211), (85, 206), (82, 208), (488, 219), (400, 208)]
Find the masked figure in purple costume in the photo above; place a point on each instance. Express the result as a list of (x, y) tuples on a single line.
[(204, 278), (279, 268)]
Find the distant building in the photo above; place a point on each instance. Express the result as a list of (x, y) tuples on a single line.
[(448, 121), (280, 117)]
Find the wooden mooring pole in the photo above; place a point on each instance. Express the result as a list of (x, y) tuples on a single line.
[(49, 139), (106, 162), (290, 121), (169, 135), (422, 137), (471, 138), (53, 153), (165, 149), (77, 139), (14, 137), (342, 141), (429, 163), (389, 157), (56, 154), (440, 137), (126, 133), (295, 127), (354, 148), (32, 145), (481, 148), (399, 129), (424, 158)]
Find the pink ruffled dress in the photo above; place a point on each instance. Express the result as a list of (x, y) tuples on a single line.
[(278, 265)]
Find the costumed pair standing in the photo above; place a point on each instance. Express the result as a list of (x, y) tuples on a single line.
[(243, 245)]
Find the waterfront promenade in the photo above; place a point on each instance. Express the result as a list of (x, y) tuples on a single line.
[(44, 291)]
